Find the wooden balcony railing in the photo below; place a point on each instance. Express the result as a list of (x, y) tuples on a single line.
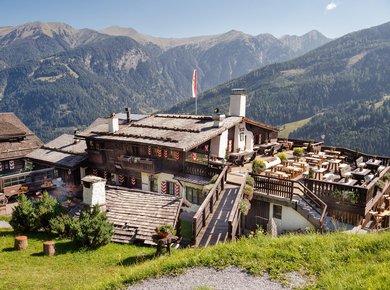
[(287, 189), (200, 170), (207, 207)]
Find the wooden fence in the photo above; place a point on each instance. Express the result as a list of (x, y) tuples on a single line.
[(234, 219), (207, 207)]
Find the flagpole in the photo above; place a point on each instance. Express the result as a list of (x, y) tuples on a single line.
[(196, 105)]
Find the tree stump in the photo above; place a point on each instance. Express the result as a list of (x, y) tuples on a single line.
[(48, 248), (20, 243)]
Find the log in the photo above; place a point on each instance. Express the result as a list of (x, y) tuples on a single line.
[(48, 248), (20, 243)]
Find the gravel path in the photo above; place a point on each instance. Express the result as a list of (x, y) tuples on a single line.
[(228, 278)]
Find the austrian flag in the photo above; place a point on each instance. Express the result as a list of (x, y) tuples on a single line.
[(194, 84)]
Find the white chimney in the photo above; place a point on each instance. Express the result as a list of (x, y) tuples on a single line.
[(217, 118), (94, 190), (237, 102), (113, 123)]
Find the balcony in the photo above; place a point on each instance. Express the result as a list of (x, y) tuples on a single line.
[(139, 164)]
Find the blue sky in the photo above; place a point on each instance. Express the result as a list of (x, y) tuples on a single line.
[(182, 18)]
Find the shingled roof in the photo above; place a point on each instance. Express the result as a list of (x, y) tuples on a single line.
[(142, 210), (16, 140), (183, 132), (64, 151)]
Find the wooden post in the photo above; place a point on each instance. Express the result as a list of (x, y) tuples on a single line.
[(20, 243), (48, 248)]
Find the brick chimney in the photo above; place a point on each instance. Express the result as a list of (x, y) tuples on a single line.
[(237, 102), (113, 123)]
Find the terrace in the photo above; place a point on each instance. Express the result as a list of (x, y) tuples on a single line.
[(354, 186)]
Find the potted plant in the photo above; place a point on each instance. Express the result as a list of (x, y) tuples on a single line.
[(244, 206), (164, 230), (282, 156), (298, 152), (258, 166)]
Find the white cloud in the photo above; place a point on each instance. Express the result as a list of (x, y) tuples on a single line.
[(331, 6)]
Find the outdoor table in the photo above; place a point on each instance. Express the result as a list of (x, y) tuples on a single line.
[(334, 165), (359, 174), (350, 182), (318, 173), (373, 163)]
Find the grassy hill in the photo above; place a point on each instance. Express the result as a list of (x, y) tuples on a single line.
[(332, 261)]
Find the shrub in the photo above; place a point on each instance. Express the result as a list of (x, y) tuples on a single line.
[(166, 229), (311, 172), (386, 177), (24, 218), (46, 209), (250, 180), (258, 166), (282, 156), (380, 184), (298, 151), (62, 225), (244, 206), (92, 229), (248, 192)]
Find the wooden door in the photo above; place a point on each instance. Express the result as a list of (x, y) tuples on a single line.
[(258, 215)]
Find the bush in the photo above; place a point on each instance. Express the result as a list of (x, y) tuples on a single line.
[(258, 166), (311, 173), (250, 180), (62, 225), (166, 229), (244, 206), (92, 229), (298, 151), (386, 177), (380, 184), (24, 218), (282, 156), (46, 209), (248, 192)]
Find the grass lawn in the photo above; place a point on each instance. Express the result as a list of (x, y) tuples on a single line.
[(333, 261)]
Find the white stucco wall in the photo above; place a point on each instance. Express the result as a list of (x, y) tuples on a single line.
[(237, 105), (95, 194), (219, 144), (291, 220)]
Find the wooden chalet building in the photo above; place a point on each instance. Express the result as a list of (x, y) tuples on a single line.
[(65, 154), (172, 154)]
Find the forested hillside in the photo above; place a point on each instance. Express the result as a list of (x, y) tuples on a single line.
[(57, 78), (353, 68)]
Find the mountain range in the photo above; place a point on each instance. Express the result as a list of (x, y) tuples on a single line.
[(339, 90), (56, 77)]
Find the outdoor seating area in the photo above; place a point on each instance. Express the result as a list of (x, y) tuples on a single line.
[(328, 165)]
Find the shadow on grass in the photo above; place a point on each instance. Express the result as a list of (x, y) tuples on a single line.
[(129, 261), (8, 249)]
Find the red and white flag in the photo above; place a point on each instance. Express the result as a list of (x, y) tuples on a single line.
[(194, 84)]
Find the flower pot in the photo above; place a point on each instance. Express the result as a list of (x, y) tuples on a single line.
[(162, 234)]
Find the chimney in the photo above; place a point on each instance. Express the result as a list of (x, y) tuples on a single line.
[(217, 118), (113, 123), (94, 191), (237, 102), (128, 113)]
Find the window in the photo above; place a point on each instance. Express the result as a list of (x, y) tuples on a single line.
[(170, 188), (277, 211), (153, 183), (195, 195)]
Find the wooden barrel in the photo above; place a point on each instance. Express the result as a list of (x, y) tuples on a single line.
[(20, 243), (48, 248)]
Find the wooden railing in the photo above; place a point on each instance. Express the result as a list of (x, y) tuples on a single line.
[(285, 189), (235, 214), (200, 170), (207, 206)]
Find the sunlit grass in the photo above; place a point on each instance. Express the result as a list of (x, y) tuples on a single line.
[(332, 261)]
